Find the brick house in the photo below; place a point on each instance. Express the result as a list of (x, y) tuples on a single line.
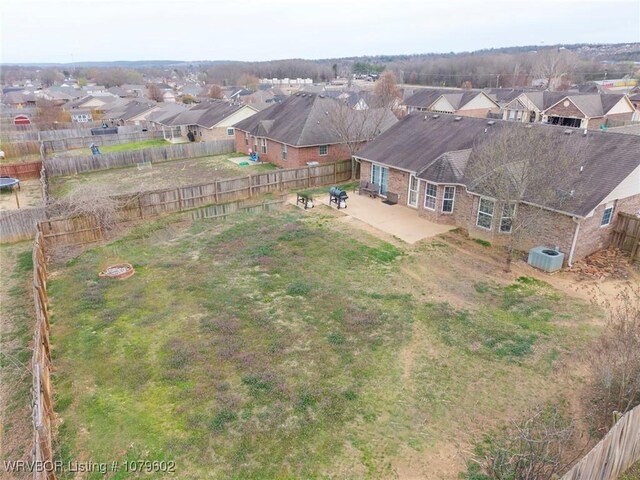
[(423, 159), (301, 130), (467, 103), (206, 121), (578, 110)]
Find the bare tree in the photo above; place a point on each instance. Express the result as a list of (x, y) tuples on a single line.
[(554, 65), (386, 90), (615, 360), (91, 200), (540, 447), (524, 170), (215, 92), (49, 113), (154, 92), (356, 127), (250, 82)]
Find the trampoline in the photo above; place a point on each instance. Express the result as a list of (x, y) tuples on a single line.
[(11, 184), (8, 182)]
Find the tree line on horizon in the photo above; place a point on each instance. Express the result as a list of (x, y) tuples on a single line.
[(484, 69)]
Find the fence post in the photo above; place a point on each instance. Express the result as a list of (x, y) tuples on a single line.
[(308, 176), (250, 186), (215, 190)]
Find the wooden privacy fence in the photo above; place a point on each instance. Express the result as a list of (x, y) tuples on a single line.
[(614, 454), (225, 190), (42, 406), (52, 146), (21, 170), (626, 234), (79, 131), (16, 225), (71, 231), (225, 209), (74, 165)]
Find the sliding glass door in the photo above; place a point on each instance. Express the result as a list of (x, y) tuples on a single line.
[(380, 176)]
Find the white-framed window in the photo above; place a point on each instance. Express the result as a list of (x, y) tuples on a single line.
[(414, 186), (324, 150), (284, 152), (607, 215), (255, 144), (506, 220), (246, 138), (380, 176), (430, 194), (231, 132), (447, 199), (263, 145), (485, 213)]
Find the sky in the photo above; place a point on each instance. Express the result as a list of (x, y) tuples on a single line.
[(63, 31)]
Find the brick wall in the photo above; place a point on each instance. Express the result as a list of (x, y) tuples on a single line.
[(592, 236), (296, 157), (477, 113), (546, 228), (561, 111)]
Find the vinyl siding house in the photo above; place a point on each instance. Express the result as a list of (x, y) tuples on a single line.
[(300, 130), (468, 103), (423, 159), (205, 121)]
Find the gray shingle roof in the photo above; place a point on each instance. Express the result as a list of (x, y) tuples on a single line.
[(300, 120), (206, 114), (425, 97), (430, 147)]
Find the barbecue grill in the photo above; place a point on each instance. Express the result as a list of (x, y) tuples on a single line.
[(338, 196)]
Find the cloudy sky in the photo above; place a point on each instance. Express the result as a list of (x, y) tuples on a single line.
[(104, 30)]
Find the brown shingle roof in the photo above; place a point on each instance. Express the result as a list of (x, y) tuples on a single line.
[(418, 143), (303, 119)]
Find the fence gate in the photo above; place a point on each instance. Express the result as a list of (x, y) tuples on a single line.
[(626, 234)]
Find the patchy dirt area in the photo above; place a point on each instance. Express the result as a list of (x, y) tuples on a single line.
[(29, 195), (159, 175)]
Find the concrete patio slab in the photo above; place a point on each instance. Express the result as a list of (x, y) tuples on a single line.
[(397, 220)]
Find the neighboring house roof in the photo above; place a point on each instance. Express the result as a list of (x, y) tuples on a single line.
[(426, 97), (129, 110), (302, 119), (118, 91), (435, 148), (106, 100), (206, 114), (16, 98), (590, 104), (504, 95), (164, 111)]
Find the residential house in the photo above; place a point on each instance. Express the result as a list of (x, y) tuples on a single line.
[(205, 121), (95, 103), (301, 130), (468, 103), (590, 111), (578, 110), (127, 112), (81, 116), (423, 159)]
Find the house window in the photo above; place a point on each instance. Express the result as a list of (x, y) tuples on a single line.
[(414, 186), (255, 144), (284, 152), (485, 213), (231, 132), (430, 193), (607, 216), (447, 199), (264, 145), (324, 150), (506, 221), (246, 139)]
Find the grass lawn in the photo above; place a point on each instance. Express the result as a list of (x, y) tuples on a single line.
[(288, 346), (125, 147), (161, 175), (16, 335)]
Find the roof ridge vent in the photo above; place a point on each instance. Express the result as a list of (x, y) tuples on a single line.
[(568, 131), (491, 122), (457, 119), (433, 116)]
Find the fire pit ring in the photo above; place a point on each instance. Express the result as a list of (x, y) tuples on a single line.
[(118, 271)]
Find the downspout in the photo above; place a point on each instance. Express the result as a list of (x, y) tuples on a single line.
[(574, 241)]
